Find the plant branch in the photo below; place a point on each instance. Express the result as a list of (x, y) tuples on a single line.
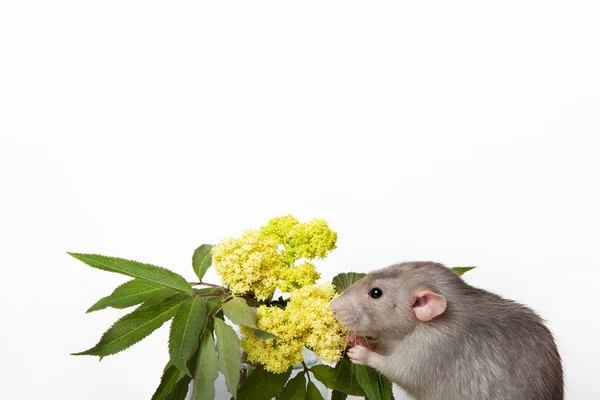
[(306, 371), (207, 284)]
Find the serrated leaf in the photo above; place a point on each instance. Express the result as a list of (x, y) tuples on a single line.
[(337, 395), (169, 379), (344, 280), (186, 327), (206, 372), (262, 384), (462, 270), (132, 328), (162, 295), (340, 378), (202, 260), (387, 391), (181, 389), (368, 380), (295, 389), (238, 311), (135, 269), (312, 392), (230, 361), (126, 295), (167, 366)]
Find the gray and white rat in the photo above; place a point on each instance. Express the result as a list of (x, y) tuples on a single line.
[(441, 339)]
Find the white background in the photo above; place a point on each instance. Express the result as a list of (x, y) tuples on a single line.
[(465, 133)]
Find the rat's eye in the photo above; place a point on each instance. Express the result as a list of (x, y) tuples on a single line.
[(375, 293)]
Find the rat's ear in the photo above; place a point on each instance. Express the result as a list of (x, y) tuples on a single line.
[(428, 305)]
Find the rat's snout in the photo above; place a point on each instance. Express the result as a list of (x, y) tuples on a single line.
[(343, 311), (332, 307)]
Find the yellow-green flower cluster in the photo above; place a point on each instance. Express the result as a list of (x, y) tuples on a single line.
[(299, 276), (249, 264), (313, 239), (261, 260), (280, 227), (276, 256), (276, 355), (305, 322)]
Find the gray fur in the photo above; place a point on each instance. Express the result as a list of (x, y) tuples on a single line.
[(483, 347)]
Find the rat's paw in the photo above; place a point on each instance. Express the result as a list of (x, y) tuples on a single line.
[(359, 354), (353, 339)]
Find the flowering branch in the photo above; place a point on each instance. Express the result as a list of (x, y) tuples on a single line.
[(270, 333)]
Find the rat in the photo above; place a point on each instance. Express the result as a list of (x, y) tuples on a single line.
[(440, 338)]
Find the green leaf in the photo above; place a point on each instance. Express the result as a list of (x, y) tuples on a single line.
[(238, 311), (462, 270), (135, 269), (186, 327), (209, 290), (264, 334), (202, 260), (181, 389), (262, 384), (295, 389), (337, 395), (368, 380), (213, 303), (312, 392), (343, 281), (206, 369), (162, 295), (128, 294), (132, 328), (230, 358), (168, 381), (340, 378), (387, 391)]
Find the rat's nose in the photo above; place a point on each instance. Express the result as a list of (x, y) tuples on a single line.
[(332, 307)]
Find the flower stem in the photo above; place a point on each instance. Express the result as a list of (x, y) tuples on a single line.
[(306, 370), (206, 284)]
